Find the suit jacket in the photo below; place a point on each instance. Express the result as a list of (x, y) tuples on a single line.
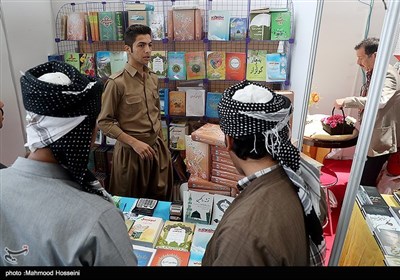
[(386, 130)]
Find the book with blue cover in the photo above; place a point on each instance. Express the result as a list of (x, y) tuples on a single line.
[(143, 254), (201, 237), (218, 25), (212, 101), (238, 28), (276, 67), (176, 66)]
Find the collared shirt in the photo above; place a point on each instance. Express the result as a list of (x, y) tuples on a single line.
[(243, 183), (46, 220), (131, 104)]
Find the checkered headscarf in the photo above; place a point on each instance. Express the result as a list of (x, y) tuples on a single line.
[(50, 104), (250, 116)]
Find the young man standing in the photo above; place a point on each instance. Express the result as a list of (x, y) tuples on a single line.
[(130, 113)]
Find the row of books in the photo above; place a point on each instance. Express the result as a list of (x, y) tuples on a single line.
[(154, 237), (383, 221), (212, 65), (184, 24), (259, 65)]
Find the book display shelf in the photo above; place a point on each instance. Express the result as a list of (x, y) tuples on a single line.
[(205, 46)]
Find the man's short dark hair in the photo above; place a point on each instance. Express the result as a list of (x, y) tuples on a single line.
[(243, 146), (370, 45), (133, 31)]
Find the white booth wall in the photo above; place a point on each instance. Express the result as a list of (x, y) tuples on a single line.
[(27, 37)]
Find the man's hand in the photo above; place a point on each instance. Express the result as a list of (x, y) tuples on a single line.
[(143, 150), (339, 103)]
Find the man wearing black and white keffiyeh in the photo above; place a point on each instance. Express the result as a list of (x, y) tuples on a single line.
[(276, 219), (50, 213)]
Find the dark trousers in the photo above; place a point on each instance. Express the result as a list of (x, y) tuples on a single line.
[(2, 166), (372, 168)]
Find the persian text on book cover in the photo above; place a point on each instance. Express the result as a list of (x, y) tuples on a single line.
[(118, 59), (198, 184), (187, 24), (76, 26), (176, 236), (198, 207), (176, 66), (119, 25), (157, 26), (276, 67), (209, 134), (107, 26), (145, 231), (280, 26), (379, 217), (198, 159), (216, 65), (256, 65), (158, 63), (139, 17), (195, 65), (218, 25), (73, 59), (201, 237), (88, 64), (195, 102), (177, 133), (167, 257), (235, 66)]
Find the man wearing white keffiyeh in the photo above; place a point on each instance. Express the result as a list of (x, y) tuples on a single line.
[(276, 219), (50, 212)]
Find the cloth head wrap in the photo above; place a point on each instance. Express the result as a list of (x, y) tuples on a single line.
[(249, 108), (62, 106)]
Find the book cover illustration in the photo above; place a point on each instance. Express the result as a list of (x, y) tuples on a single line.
[(197, 207), (176, 236), (158, 63), (260, 25), (216, 65), (177, 103), (166, 257), (157, 26), (374, 196), (197, 158), (88, 64), (103, 63), (276, 67), (195, 65), (144, 255), (145, 230), (212, 101), (176, 66), (185, 23), (73, 59), (389, 240), (94, 26), (391, 260), (139, 17), (218, 25), (280, 25), (235, 66), (256, 65), (221, 203), (76, 26), (379, 217), (201, 237), (238, 28)]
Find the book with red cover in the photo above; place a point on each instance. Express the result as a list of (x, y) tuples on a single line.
[(166, 257), (235, 66)]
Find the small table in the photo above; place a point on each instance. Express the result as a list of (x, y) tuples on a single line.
[(316, 137)]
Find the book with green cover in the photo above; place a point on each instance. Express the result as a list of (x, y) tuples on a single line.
[(280, 25), (256, 65)]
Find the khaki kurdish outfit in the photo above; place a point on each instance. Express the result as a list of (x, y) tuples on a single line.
[(265, 224), (131, 104)]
